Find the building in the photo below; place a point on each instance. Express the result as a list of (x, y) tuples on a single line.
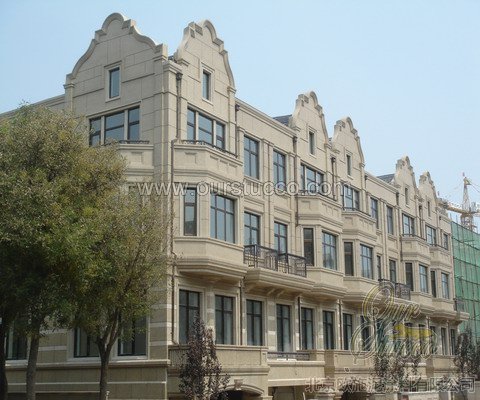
[(466, 258), (280, 275)]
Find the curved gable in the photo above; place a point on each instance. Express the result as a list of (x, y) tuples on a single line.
[(345, 135), (308, 115), (404, 174), (427, 187), (115, 25), (198, 40)]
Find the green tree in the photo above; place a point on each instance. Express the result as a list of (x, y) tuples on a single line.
[(51, 184), (201, 373), (126, 276), (467, 355)]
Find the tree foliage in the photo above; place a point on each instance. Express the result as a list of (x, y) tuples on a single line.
[(201, 375), (467, 355)]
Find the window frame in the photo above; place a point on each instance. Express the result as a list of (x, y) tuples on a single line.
[(284, 339), (248, 228), (348, 161), (430, 235), (133, 340), (390, 221), (254, 318), (423, 277), (127, 127), (351, 198), (279, 237), (193, 127), (307, 324), (433, 282), (222, 325), (309, 244), (16, 346), (311, 142), (374, 211), (206, 85), (392, 263), (408, 223), (349, 254), (279, 168), (328, 330), (190, 205), (366, 261), (445, 285), (215, 212), (91, 348), (331, 246), (409, 276), (306, 183), (347, 333), (110, 86), (253, 154), (183, 334)]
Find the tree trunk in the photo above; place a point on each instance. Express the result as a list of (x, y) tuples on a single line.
[(32, 365), (105, 358), (3, 375)]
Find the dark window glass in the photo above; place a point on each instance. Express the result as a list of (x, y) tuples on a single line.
[(423, 270), (136, 343), (191, 125), (408, 225), (254, 323), (433, 339), (283, 328), (206, 82), (190, 213), (114, 83), (329, 245), (84, 345), (347, 331), (393, 270), (220, 135), (189, 303), (280, 236), (431, 235), (95, 130), (311, 142), (250, 156), (205, 129), (374, 211), (15, 345), (366, 258), (114, 127), (379, 267), (409, 275), (348, 254), (308, 246), (433, 282), (445, 241), (222, 218), (366, 334), (328, 330), (307, 328), (134, 124), (453, 339), (223, 320), (251, 229), (351, 198), (279, 169), (443, 334), (445, 286), (349, 164), (311, 180), (390, 225)]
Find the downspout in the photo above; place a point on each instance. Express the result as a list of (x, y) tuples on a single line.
[(178, 78), (237, 108), (295, 179), (242, 290), (299, 322)]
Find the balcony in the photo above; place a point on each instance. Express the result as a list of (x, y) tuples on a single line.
[(459, 305), (138, 155), (264, 257), (414, 246), (400, 290), (357, 222), (440, 255), (280, 355)]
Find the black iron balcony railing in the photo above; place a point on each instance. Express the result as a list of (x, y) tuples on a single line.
[(459, 305), (204, 143), (292, 264), (400, 290), (264, 257), (282, 355)]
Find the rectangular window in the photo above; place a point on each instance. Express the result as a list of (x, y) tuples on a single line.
[(366, 258), (431, 235), (390, 225), (433, 339), (329, 245), (366, 334), (280, 237), (429, 208), (114, 127), (409, 275), (328, 331), (349, 164), (222, 218), (443, 335), (283, 328), (135, 344), (311, 142), (84, 345), (190, 212), (114, 83), (445, 286), (408, 225), (310, 180), (347, 331), (453, 342), (307, 328), (223, 320), (433, 282), (348, 255), (205, 129), (15, 345), (206, 85), (351, 198), (189, 303), (374, 211), (445, 241), (279, 169), (393, 270), (423, 278), (407, 196), (133, 133), (308, 246), (254, 323), (95, 131), (250, 157), (251, 229), (379, 267)]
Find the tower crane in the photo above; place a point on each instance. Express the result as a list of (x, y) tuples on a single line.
[(467, 210)]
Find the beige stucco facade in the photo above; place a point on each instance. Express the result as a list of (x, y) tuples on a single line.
[(165, 86)]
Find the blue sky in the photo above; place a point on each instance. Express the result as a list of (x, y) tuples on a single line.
[(406, 72)]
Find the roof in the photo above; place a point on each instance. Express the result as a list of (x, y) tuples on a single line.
[(386, 178), (283, 119)]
